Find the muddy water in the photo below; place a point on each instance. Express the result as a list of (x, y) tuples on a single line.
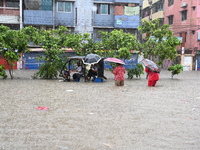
[(100, 116)]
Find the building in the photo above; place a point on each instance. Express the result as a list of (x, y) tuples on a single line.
[(184, 18), (79, 16), (10, 13), (88, 16), (153, 9)]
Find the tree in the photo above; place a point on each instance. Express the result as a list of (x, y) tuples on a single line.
[(2, 72), (159, 41), (52, 41), (13, 43), (82, 44), (117, 44), (175, 69)]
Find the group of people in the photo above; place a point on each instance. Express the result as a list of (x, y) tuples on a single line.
[(91, 73), (118, 72)]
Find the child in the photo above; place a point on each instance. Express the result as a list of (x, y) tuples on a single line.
[(119, 72), (153, 77)]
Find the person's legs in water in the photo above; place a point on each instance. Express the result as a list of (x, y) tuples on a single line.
[(150, 83), (121, 83), (117, 82), (154, 82)]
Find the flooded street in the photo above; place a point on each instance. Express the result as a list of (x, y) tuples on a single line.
[(99, 116)]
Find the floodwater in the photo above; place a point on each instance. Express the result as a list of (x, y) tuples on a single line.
[(99, 116)]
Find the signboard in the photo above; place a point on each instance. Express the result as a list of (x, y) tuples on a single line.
[(198, 35), (179, 38), (187, 60)]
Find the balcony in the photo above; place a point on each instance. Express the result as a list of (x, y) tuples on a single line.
[(127, 1)]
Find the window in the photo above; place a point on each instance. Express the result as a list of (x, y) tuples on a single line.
[(193, 8), (184, 15), (103, 9), (170, 2), (12, 3), (170, 19), (64, 6), (158, 6)]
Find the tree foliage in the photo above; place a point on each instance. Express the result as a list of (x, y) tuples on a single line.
[(117, 43), (137, 71), (82, 44), (2, 72), (13, 42), (160, 41), (175, 69), (52, 41)]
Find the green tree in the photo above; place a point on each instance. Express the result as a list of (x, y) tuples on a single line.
[(82, 44), (117, 43), (160, 41), (13, 42), (175, 69), (2, 72), (53, 42)]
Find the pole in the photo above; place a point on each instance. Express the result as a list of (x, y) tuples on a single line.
[(20, 20), (53, 17)]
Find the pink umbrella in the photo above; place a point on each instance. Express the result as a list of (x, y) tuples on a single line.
[(115, 60)]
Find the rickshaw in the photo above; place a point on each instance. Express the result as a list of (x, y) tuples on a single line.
[(70, 65)]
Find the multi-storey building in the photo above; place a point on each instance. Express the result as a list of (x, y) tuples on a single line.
[(10, 13), (153, 9), (88, 16), (184, 18)]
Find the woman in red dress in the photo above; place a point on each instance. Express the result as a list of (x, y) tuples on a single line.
[(119, 72), (153, 77)]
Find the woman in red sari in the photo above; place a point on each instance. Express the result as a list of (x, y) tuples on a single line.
[(119, 72), (153, 77)]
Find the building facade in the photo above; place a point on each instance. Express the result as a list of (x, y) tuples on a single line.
[(153, 9), (10, 13), (88, 16), (184, 18)]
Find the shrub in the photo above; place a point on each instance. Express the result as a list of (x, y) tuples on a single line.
[(137, 71), (2, 72), (175, 69)]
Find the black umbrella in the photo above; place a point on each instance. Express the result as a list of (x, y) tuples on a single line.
[(91, 59)]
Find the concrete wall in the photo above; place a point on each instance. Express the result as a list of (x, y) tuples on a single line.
[(64, 18), (84, 16), (38, 17)]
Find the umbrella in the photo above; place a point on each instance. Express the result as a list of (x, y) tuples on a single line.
[(151, 65), (115, 60), (91, 59)]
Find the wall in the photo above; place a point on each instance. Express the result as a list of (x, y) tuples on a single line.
[(188, 25), (84, 16), (124, 21), (7, 19), (104, 20), (66, 19), (38, 17)]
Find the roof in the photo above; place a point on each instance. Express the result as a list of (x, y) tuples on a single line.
[(41, 49)]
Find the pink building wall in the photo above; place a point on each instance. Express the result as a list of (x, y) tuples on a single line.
[(189, 26)]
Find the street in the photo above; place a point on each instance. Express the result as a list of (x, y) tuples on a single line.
[(100, 116)]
